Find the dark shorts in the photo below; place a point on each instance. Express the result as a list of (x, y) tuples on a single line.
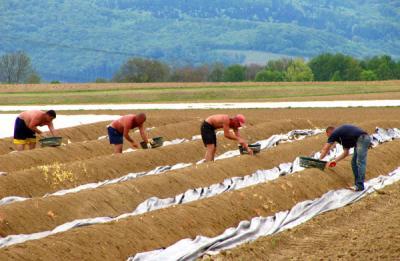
[(114, 136), (208, 134), (22, 134)]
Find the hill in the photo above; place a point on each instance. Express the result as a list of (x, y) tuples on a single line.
[(81, 40)]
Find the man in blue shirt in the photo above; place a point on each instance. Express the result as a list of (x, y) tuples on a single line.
[(350, 136)]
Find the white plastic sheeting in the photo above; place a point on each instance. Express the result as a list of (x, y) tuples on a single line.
[(265, 144), (62, 121), (155, 203), (274, 140), (219, 105), (188, 249)]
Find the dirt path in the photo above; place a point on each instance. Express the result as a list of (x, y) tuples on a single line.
[(366, 230)]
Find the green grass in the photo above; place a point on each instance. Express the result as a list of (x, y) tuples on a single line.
[(192, 94)]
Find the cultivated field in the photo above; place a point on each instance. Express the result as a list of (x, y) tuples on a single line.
[(195, 92), (87, 159)]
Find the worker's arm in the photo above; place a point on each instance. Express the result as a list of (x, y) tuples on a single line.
[(51, 129), (228, 134), (143, 134), (127, 126), (242, 141), (325, 150), (343, 155), (33, 125)]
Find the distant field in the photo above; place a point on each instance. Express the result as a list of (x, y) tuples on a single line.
[(194, 92)]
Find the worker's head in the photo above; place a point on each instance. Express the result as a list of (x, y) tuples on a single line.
[(51, 115), (237, 121), (140, 118), (329, 130)]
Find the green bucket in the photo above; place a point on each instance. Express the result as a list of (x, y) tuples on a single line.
[(50, 142), (307, 162), (157, 142), (256, 148)]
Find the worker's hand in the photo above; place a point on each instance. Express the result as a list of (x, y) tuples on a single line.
[(331, 164), (250, 151), (149, 145)]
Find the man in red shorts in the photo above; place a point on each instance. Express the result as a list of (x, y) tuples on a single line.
[(223, 121), (26, 127), (120, 128)]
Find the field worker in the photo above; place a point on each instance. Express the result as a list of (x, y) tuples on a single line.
[(26, 124), (120, 128), (218, 121), (350, 136)]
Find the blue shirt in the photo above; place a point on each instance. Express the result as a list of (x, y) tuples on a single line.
[(346, 135)]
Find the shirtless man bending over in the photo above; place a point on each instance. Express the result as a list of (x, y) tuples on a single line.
[(120, 128), (26, 127), (223, 121)]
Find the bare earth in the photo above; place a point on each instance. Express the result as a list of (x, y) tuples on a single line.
[(88, 160), (366, 230)]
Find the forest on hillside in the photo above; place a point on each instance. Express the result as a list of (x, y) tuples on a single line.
[(84, 40)]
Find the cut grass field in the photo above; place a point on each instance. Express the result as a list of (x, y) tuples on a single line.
[(194, 92)]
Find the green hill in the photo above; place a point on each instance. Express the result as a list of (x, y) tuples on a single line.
[(73, 40)]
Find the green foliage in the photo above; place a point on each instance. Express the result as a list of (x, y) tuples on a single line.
[(235, 73), (142, 70), (298, 71), (336, 77), (326, 67), (280, 65), (368, 75), (269, 76), (85, 40), (55, 82), (383, 66)]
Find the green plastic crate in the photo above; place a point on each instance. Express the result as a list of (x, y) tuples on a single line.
[(307, 162)]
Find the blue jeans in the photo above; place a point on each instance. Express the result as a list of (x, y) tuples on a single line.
[(359, 161)]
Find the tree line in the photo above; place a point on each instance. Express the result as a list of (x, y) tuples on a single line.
[(17, 68), (324, 67)]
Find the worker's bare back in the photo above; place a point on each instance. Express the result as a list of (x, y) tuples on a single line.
[(218, 120), (127, 121), (36, 117)]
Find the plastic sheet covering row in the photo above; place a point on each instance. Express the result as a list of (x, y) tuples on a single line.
[(265, 144), (155, 203), (246, 231), (264, 226), (205, 106)]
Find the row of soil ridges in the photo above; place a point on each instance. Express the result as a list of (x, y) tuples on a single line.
[(37, 181), (88, 132), (208, 217), (78, 151), (366, 230), (113, 200), (116, 199), (163, 117), (85, 143)]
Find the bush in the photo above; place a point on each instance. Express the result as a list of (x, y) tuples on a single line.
[(269, 76), (368, 75), (235, 73)]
